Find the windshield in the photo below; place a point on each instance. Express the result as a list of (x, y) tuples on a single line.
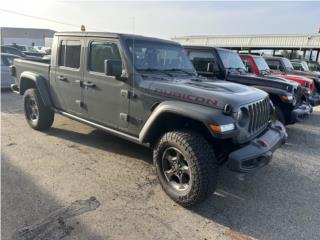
[(305, 66), (154, 55), (230, 59), (261, 63), (287, 64)]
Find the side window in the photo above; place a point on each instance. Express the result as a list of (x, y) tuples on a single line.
[(200, 60), (1, 61), (69, 55), (101, 51), (274, 65)]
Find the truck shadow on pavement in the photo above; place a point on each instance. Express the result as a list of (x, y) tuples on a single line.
[(104, 141), (25, 204)]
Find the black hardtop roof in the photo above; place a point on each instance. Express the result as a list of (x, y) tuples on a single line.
[(206, 47), (114, 35), (273, 57)]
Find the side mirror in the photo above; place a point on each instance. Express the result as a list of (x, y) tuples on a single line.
[(212, 67), (113, 67)]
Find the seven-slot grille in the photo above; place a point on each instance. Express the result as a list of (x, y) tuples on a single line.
[(259, 113)]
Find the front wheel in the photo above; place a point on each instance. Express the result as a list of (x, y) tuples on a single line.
[(186, 167), (38, 116)]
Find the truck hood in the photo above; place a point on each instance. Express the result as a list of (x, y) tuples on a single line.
[(212, 93), (312, 75), (267, 81)]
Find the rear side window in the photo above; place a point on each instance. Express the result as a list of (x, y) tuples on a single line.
[(200, 60), (70, 51), (273, 64), (101, 51)]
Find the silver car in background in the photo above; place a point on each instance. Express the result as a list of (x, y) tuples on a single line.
[(6, 61)]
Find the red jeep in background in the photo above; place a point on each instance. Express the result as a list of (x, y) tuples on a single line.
[(258, 65)]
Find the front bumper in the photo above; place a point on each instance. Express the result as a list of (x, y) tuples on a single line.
[(314, 99), (258, 153), (301, 113)]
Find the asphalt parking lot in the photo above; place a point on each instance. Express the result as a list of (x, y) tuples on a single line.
[(43, 173)]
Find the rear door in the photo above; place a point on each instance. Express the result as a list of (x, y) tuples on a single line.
[(69, 74), (106, 99)]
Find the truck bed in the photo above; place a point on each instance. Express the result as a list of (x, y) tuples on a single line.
[(22, 65)]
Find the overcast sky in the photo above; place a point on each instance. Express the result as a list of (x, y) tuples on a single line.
[(166, 19)]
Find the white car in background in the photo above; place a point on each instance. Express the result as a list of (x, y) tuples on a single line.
[(6, 61)]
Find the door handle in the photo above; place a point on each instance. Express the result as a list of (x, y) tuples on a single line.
[(89, 84), (62, 78)]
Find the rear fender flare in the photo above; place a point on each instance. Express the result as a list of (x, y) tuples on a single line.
[(41, 84)]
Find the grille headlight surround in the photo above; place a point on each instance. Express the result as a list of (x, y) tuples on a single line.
[(242, 117)]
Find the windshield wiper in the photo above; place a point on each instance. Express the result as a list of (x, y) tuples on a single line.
[(180, 70), (155, 70)]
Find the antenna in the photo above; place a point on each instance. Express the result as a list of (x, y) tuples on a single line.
[(133, 58)]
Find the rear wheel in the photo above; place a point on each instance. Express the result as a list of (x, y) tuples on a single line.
[(38, 116), (186, 167)]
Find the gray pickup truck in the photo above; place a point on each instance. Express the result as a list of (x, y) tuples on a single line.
[(146, 90)]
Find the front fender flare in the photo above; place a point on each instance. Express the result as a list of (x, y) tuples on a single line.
[(192, 111), (274, 91)]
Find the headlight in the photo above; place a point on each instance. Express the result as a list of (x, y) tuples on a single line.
[(222, 128), (242, 117)]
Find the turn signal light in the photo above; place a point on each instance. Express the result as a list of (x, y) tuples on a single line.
[(221, 128), (286, 98)]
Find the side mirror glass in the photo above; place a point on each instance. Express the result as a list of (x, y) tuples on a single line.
[(113, 67)]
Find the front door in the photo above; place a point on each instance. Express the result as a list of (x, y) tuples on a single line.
[(106, 99), (69, 74)]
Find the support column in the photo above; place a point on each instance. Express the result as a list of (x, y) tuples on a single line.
[(317, 58)]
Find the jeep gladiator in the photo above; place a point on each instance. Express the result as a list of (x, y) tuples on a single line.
[(219, 63), (147, 91), (258, 66)]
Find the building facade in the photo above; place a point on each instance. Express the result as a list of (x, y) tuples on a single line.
[(26, 36)]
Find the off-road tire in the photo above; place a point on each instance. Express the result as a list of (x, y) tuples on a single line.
[(45, 116), (201, 161)]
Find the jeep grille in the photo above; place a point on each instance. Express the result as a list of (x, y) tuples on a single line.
[(259, 113)]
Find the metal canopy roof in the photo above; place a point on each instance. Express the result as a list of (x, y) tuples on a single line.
[(294, 41)]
